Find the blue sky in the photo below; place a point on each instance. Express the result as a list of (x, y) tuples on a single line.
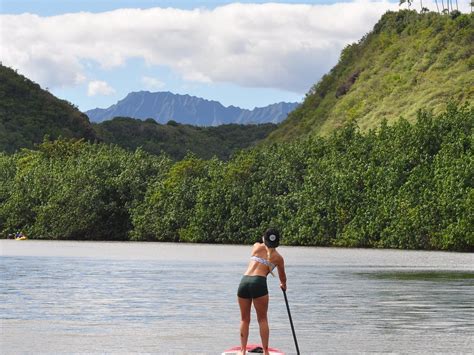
[(56, 7), (247, 54)]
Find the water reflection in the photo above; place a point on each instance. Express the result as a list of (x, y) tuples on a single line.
[(438, 301), (428, 275)]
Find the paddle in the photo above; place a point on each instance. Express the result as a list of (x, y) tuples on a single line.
[(291, 322)]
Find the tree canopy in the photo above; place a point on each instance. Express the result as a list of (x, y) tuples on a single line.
[(406, 185)]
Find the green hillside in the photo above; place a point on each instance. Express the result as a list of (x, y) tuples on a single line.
[(28, 113), (177, 139), (408, 62)]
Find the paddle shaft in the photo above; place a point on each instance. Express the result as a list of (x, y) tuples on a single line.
[(291, 323)]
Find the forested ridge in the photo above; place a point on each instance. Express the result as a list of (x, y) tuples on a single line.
[(29, 113), (177, 140), (406, 185)]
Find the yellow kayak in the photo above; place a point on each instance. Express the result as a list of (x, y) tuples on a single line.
[(22, 238)]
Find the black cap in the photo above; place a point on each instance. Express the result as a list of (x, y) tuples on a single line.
[(271, 238)]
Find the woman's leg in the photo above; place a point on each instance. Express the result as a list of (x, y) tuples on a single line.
[(261, 307), (245, 305)]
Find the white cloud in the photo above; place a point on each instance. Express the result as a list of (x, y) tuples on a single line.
[(152, 83), (272, 45), (98, 87)]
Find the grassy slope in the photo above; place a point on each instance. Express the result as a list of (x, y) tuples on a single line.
[(408, 62)]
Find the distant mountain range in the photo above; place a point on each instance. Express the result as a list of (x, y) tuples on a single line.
[(29, 114), (186, 109)]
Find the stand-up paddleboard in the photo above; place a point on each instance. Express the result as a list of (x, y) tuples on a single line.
[(252, 349)]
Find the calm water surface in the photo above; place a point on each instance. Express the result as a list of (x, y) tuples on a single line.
[(94, 297)]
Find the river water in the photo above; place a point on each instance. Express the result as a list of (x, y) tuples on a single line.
[(100, 297)]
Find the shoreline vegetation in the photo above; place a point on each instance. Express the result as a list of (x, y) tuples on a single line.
[(404, 185)]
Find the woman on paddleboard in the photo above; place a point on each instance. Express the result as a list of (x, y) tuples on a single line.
[(253, 286)]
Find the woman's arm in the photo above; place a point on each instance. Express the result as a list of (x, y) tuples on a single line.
[(282, 274)]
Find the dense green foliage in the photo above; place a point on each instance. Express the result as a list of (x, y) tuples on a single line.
[(177, 140), (74, 190), (28, 113), (400, 186), (410, 61)]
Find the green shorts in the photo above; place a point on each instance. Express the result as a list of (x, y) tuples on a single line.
[(252, 287)]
